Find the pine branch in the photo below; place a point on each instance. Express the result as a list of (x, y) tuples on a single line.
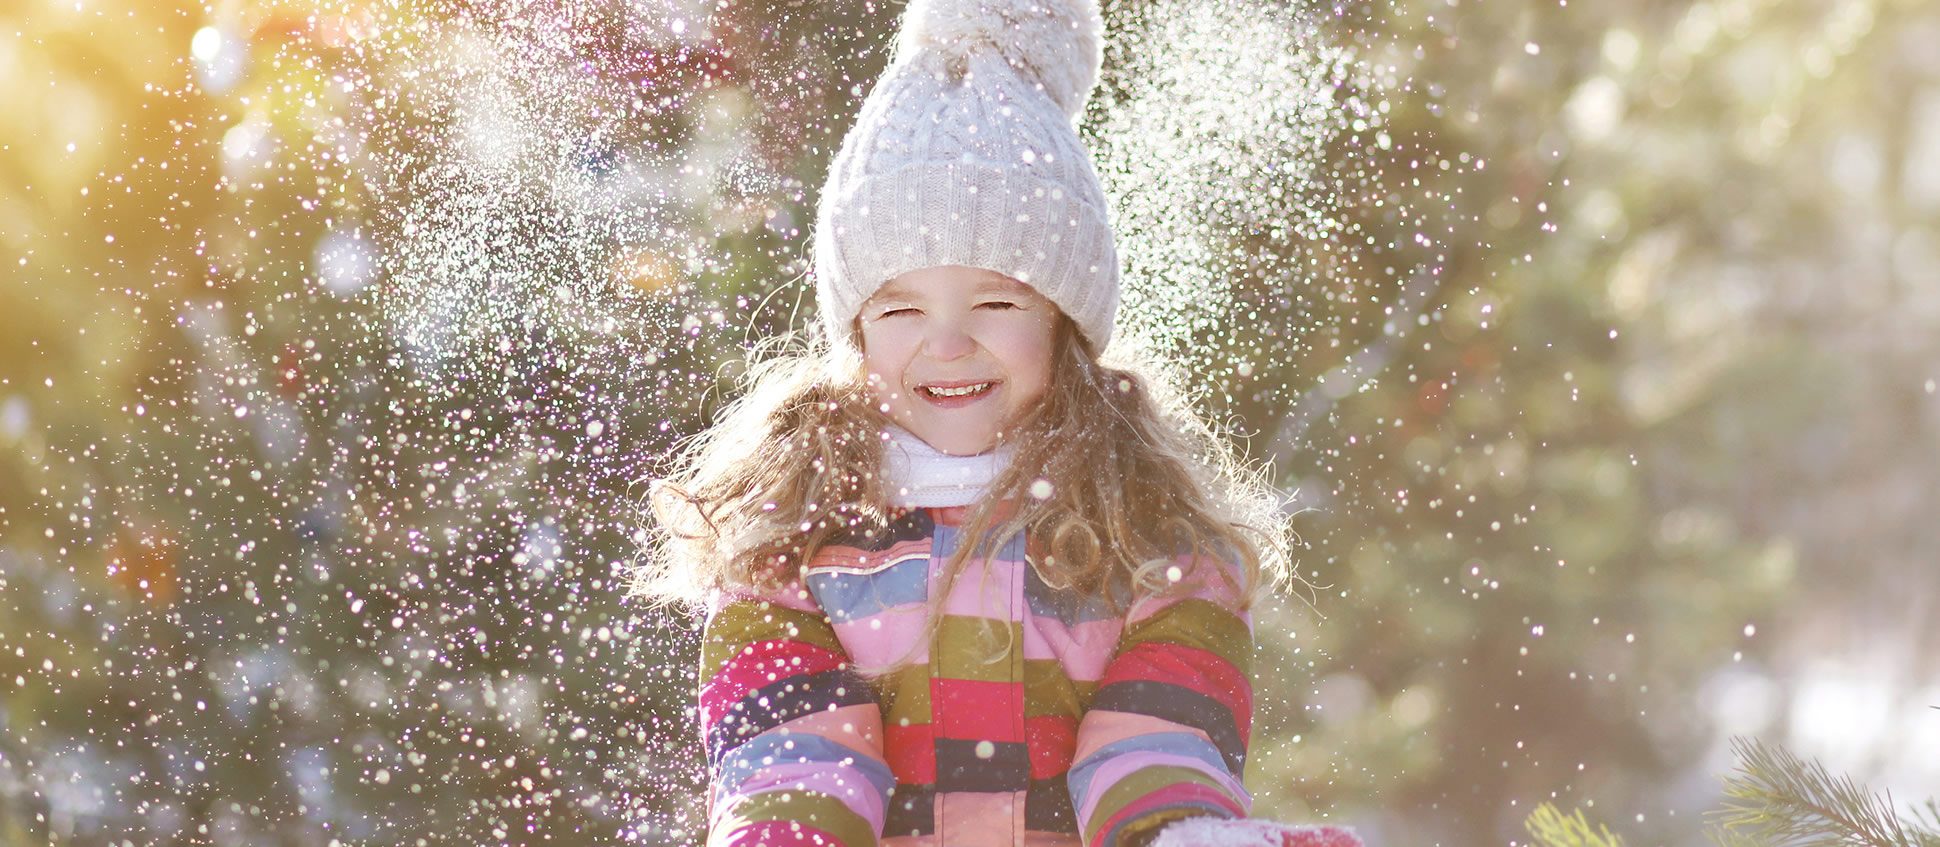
[(1731, 838), (1926, 820), (1551, 828), (1778, 800)]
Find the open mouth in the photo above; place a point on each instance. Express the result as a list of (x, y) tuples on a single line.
[(956, 392)]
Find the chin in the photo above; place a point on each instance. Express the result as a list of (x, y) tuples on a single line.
[(961, 446)]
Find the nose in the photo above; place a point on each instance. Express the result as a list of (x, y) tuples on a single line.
[(947, 340)]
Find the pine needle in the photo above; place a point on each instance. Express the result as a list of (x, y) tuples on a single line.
[(1926, 821), (1551, 828), (1778, 800), (1731, 838)]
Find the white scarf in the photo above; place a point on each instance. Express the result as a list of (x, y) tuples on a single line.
[(918, 475)]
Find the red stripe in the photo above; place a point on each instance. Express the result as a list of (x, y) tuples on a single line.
[(1052, 740), (976, 711), (954, 516), (777, 834), (1171, 795), (1189, 667), (949, 515), (911, 753), (763, 663)]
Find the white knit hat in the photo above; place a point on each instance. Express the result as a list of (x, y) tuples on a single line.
[(966, 152)]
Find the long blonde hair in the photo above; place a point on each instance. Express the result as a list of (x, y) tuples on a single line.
[(1136, 478)]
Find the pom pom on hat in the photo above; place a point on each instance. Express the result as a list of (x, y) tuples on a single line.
[(1058, 44)]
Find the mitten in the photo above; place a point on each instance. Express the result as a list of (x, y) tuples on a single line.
[(1222, 832)]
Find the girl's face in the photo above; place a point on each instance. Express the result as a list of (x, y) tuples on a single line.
[(958, 354)]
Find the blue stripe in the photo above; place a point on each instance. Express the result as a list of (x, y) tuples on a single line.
[(1068, 607), (774, 748), (946, 538), (1170, 743), (847, 597)]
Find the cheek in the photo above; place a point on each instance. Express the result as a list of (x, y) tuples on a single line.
[(885, 352), (1031, 366)]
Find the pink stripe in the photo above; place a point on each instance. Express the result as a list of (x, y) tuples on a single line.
[(844, 784), (857, 727), (885, 637), (1212, 587), (1119, 767), (1084, 649), (981, 591), (980, 820), (1101, 727)]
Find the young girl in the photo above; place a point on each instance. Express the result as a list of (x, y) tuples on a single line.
[(965, 584)]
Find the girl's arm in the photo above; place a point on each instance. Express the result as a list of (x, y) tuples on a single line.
[(793, 735), (1165, 736)]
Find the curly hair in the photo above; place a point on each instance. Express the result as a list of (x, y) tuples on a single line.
[(1136, 479)]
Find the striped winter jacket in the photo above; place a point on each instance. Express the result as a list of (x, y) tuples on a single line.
[(1035, 717)]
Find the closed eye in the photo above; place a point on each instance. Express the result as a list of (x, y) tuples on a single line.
[(998, 305)]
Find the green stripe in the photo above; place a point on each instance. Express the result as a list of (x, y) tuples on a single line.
[(1197, 623), (905, 696), (1047, 691), (1137, 784), (749, 621), (977, 649), (1152, 823), (810, 808)]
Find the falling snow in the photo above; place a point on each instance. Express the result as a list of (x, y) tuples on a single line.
[(325, 508)]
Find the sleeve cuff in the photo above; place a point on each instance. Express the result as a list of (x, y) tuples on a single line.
[(1140, 832)]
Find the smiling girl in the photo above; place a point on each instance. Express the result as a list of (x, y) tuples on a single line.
[(957, 353), (966, 583)]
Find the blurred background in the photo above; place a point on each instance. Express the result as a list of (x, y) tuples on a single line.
[(1596, 346)]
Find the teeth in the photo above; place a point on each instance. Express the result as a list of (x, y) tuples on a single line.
[(957, 392)]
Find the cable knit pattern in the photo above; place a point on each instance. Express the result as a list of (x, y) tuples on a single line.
[(968, 156)]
